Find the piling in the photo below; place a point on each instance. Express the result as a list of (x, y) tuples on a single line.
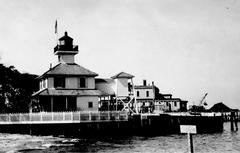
[(233, 121)]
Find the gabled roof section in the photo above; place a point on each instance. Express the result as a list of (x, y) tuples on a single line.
[(69, 69), (122, 75)]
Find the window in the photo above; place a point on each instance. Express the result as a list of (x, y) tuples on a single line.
[(62, 42), (44, 83), (82, 82), (40, 84), (147, 93), (59, 82), (137, 93), (175, 103), (59, 58), (90, 104)]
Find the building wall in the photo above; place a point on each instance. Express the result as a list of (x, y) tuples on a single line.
[(82, 103), (90, 83), (71, 83), (167, 105), (143, 93), (121, 88), (66, 58), (50, 82)]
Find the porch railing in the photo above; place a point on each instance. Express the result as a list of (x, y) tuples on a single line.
[(63, 117)]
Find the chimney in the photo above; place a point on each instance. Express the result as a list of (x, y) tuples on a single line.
[(144, 82), (50, 66)]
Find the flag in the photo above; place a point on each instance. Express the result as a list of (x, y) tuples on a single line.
[(56, 27)]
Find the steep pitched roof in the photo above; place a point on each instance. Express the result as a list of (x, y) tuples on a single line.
[(122, 75), (72, 69), (220, 107), (65, 37)]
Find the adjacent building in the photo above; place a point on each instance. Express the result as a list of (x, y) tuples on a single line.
[(151, 100)]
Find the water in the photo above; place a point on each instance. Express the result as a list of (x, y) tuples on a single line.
[(226, 141)]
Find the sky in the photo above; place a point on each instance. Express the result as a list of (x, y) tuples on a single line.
[(188, 47)]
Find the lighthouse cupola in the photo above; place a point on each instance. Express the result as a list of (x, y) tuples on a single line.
[(65, 50)]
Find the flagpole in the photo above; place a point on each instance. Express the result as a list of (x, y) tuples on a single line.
[(56, 32)]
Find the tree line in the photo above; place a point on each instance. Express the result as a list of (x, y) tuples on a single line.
[(16, 89)]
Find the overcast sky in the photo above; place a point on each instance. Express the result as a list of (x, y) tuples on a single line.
[(187, 47)]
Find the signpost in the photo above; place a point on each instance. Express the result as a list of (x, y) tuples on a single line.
[(189, 129)]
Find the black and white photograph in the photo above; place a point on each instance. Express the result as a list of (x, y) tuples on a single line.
[(119, 76)]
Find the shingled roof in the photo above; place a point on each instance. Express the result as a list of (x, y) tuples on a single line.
[(68, 69), (122, 75)]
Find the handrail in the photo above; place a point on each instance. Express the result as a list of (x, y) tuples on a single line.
[(193, 114), (63, 117)]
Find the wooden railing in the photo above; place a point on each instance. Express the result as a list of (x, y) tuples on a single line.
[(63, 117), (193, 114)]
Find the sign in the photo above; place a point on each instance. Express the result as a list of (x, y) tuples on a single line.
[(188, 129)]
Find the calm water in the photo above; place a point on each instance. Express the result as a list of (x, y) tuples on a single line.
[(227, 141)]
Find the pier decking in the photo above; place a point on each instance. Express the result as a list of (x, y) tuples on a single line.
[(63, 117)]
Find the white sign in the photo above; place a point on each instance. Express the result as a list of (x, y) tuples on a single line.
[(188, 129)]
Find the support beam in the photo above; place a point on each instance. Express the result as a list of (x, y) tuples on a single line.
[(134, 96), (51, 104), (66, 104)]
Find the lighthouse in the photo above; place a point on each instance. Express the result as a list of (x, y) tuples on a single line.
[(65, 50), (67, 86)]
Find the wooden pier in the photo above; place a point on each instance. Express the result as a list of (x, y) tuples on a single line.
[(120, 123)]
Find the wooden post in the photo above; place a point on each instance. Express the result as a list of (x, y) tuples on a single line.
[(30, 128), (66, 104), (52, 117), (89, 116), (108, 103), (189, 129), (231, 119), (190, 143), (41, 118), (72, 116), (51, 104), (79, 116), (235, 120)]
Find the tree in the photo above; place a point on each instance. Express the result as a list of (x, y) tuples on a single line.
[(15, 89)]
